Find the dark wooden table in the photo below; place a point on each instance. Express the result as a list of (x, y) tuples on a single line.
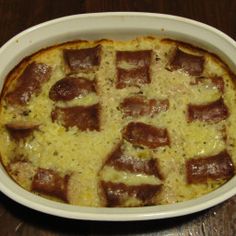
[(17, 15)]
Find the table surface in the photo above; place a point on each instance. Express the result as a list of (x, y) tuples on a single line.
[(17, 15)]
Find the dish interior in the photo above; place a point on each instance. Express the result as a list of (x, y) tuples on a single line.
[(57, 32)]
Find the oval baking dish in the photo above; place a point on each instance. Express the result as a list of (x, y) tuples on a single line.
[(121, 26)]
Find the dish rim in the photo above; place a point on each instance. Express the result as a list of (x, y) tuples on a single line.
[(18, 194)]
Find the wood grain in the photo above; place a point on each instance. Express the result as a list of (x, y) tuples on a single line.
[(17, 15)]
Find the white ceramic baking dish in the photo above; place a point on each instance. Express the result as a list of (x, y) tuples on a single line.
[(120, 25)]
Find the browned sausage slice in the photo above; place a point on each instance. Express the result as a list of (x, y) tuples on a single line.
[(142, 134), (69, 88), (83, 117), (199, 170), (29, 83)]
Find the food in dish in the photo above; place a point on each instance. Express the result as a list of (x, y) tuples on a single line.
[(119, 123)]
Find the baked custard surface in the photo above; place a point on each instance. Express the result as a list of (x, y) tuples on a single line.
[(119, 123)]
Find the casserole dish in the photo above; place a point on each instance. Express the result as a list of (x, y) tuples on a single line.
[(120, 26)]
